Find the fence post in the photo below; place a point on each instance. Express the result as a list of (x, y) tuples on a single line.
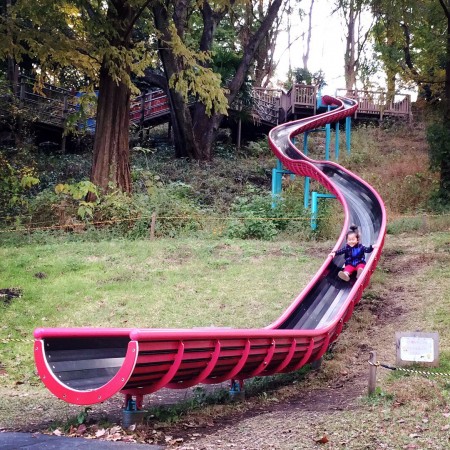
[(152, 227), (372, 372)]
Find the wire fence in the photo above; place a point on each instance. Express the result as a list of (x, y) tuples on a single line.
[(83, 224), (426, 373), (75, 224)]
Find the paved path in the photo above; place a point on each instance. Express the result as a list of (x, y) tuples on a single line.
[(37, 441)]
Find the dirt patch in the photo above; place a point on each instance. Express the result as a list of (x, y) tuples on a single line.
[(8, 294)]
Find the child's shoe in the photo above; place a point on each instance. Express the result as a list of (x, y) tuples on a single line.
[(343, 275), (359, 272)]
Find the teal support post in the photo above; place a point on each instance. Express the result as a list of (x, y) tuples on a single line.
[(336, 142), (315, 206), (307, 179), (276, 182), (276, 186), (327, 138), (327, 141), (277, 177), (306, 193), (348, 126)]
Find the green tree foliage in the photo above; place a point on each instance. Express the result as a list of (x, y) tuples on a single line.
[(410, 40), (110, 43), (187, 34), (413, 42), (95, 40)]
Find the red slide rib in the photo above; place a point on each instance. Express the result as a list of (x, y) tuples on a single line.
[(88, 365)]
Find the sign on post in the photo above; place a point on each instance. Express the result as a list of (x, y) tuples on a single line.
[(416, 347)]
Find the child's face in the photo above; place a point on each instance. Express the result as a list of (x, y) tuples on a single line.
[(352, 239)]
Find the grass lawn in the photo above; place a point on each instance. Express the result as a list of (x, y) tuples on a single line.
[(164, 283)]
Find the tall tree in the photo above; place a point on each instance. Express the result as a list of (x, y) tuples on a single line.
[(264, 65), (413, 40), (442, 152), (356, 37), (307, 49), (188, 67), (100, 40), (95, 38)]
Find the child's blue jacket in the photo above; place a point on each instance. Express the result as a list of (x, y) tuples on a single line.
[(354, 255)]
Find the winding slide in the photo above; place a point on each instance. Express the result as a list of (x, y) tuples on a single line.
[(84, 366)]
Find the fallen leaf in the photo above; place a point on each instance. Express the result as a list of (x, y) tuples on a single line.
[(100, 433), (322, 440)]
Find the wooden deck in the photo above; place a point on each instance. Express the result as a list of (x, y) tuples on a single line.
[(50, 105), (274, 106), (376, 105), (53, 105)]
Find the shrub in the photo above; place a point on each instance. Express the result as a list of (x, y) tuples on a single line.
[(15, 182)]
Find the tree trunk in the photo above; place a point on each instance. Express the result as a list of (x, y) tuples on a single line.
[(445, 158), (111, 162), (349, 66), (111, 148), (308, 37), (194, 130)]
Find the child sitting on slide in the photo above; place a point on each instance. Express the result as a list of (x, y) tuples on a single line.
[(354, 254)]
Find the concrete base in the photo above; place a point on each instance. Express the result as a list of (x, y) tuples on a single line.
[(132, 417)]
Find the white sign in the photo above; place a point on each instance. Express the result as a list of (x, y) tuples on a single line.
[(417, 349)]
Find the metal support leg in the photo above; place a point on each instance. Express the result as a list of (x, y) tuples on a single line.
[(327, 141), (315, 206), (348, 125), (132, 412), (336, 142), (277, 177), (237, 392), (306, 193), (276, 188)]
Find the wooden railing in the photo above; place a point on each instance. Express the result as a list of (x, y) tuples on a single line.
[(52, 105), (147, 106), (49, 104), (274, 105), (304, 95), (376, 103), (266, 105)]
